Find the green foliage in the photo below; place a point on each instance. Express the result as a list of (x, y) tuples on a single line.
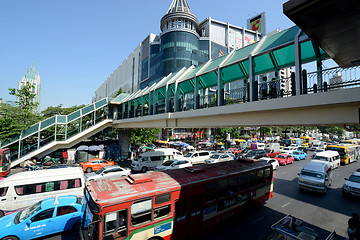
[(59, 110), (333, 130), (15, 117), (143, 135), (25, 97), (118, 92), (221, 133)]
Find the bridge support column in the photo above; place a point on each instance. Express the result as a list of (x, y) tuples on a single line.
[(124, 142), (220, 91), (196, 93), (298, 64)]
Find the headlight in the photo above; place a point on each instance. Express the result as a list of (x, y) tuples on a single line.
[(346, 187)]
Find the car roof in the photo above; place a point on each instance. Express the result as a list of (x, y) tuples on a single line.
[(111, 167), (316, 165), (62, 200)]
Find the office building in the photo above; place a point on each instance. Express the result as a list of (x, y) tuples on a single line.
[(183, 42), (32, 77)]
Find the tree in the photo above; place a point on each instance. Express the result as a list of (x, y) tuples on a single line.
[(143, 135), (333, 130), (59, 110), (17, 116), (118, 92), (25, 97)]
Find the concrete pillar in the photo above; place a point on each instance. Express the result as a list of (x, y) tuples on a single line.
[(124, 142)]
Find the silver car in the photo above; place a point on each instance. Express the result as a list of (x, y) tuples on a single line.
[(219, 157), (108, 172)]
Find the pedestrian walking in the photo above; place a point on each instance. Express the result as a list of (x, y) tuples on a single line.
[(354, 227)]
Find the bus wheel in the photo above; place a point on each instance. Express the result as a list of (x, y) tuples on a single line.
[(88, 170), (144, 169), (156, 238), (1, 213)]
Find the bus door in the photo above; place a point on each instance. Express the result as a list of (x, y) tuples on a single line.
[(195, 200), (180, 220)]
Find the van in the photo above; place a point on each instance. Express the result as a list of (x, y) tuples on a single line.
[(257, 146), (150, 160), (197, 157), (315, 176), (332, 157), (26, 188), (316, 144)]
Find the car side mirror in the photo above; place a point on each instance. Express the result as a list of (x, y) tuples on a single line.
[(298, 174), (326, 178), (28, 222), (346, 179)]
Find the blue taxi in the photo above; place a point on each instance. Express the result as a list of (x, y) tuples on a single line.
[(49, 216), (298, 155)]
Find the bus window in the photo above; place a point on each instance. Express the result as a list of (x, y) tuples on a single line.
[(252, 178), (162, 199), (244, 181), (267, 174), (210, 191), (162, 212), (115, 222), (141, 212), (222, 188), (234, 184), (260, 177)]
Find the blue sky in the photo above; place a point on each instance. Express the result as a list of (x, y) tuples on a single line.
[(76, 44)]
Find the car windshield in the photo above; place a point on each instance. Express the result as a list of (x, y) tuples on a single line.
[(312, 174), (27, 212), (321, 158), (188, 154), (296, 152), (287, 148), (100, 171), (167, 163), (354, 178), (215, 156), (281, 156)]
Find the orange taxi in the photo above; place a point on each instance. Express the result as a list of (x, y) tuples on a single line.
[(95, 164)]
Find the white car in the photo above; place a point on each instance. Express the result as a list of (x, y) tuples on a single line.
[(219, 157), (174, 164), (288, 150), (108, 172), (272, 161), (352, 185)]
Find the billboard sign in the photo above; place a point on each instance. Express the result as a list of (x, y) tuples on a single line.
[(258, 23)]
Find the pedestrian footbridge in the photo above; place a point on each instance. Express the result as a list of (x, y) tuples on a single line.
[(233, 90)]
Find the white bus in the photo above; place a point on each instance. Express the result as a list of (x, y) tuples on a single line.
[(26, 188)]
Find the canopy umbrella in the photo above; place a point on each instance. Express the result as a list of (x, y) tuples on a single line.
[(83, 148), (95, 148)]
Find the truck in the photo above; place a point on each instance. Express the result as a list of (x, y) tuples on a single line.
[(292, 228)]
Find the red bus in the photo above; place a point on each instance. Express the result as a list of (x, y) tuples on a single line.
[(175, 204), (4, 162)]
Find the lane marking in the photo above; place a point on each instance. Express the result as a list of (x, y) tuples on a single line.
[(287, 204), (257, 220)]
